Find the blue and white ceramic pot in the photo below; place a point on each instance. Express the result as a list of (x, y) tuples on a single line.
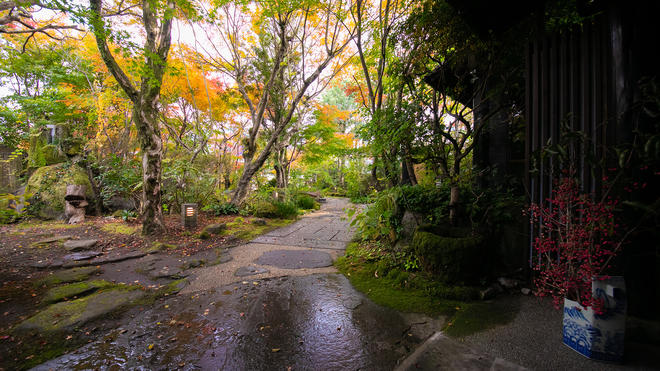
[(598, 336)]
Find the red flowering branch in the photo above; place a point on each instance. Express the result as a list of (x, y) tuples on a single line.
[(578, 237)]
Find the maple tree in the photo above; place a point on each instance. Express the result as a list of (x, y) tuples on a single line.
[(279, 56)]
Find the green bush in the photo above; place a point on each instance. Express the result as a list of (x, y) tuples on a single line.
[(221, 209), (285, 210), (306, 203), (265, 210), (453, 254)]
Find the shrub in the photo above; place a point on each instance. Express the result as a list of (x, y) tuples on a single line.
[(453, 254), (221, 209), (306, 202), (285, 210), (265, 210)]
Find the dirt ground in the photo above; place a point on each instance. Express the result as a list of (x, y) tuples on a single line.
[(19, 298)]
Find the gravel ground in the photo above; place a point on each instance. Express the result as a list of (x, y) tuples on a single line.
[(534, 340)]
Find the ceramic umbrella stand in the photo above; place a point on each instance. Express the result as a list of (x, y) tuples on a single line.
[(598, 336)]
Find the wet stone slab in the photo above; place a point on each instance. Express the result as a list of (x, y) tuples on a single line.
[(295, 259), (301, 323), (250, 271)]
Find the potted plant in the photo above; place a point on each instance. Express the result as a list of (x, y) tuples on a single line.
[(578, 236)]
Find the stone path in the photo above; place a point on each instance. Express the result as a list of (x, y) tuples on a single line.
[(323, 229)]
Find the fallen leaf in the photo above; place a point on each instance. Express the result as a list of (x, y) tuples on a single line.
[(276, 350), (242, 314), (457, 308), (69, 337), (151, 346)]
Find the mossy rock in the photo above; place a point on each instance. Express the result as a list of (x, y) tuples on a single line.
[(159, 246), (48, 186), (452, 254), (70, 275), (203, 235), (52, 155), (73, 291), (72, 146), (71, 314), (265, 210)]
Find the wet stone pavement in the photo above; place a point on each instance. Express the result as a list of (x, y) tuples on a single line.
[(288, 310)]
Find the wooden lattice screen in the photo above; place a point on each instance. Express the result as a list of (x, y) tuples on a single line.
[(10, 167), (567, 81)]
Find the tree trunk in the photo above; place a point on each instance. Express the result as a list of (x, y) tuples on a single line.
[(453, 206), (151, 146), (243, 185)]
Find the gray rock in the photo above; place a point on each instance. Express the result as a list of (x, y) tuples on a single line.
[(167, 272), (487, 294), (80, 245), (86, 255), (231, 240), (525, 291), (498, 287), (215, 228), (508, 283), (409, 222), (260, 222), (225, 259), (250, 271)]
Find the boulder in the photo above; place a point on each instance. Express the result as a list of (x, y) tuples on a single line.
[(260, 222), (48, 187), (508, 283), (215, 228)]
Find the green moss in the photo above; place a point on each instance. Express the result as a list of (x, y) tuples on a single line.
[(70, 275), (265, 210), (159, 246), (248, 232), (78, 289), (452, 254), (47, 224), (52, 155), (479, 316), (203, 235), (48, 186), (186, 233), (120, 228), (401, 290)]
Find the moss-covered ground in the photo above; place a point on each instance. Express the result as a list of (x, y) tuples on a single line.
[(391, 285), (247, 231), (121, 228)]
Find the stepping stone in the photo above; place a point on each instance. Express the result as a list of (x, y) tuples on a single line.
[(225, 259), (250, 271), (82, 255), (48, 241), (295, 259), (79, 245), (168, 272)]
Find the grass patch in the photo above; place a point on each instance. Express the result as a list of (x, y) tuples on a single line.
[(400, 289), (248, 232), (479, 316), (120, 228)]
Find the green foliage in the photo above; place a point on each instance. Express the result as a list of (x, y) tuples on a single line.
[(13, 207), (125, 215), (118, 177), (452, 254), (285, 209), (221, 209), (305, 202), (186, 182), (377, 220), (265, 210)]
